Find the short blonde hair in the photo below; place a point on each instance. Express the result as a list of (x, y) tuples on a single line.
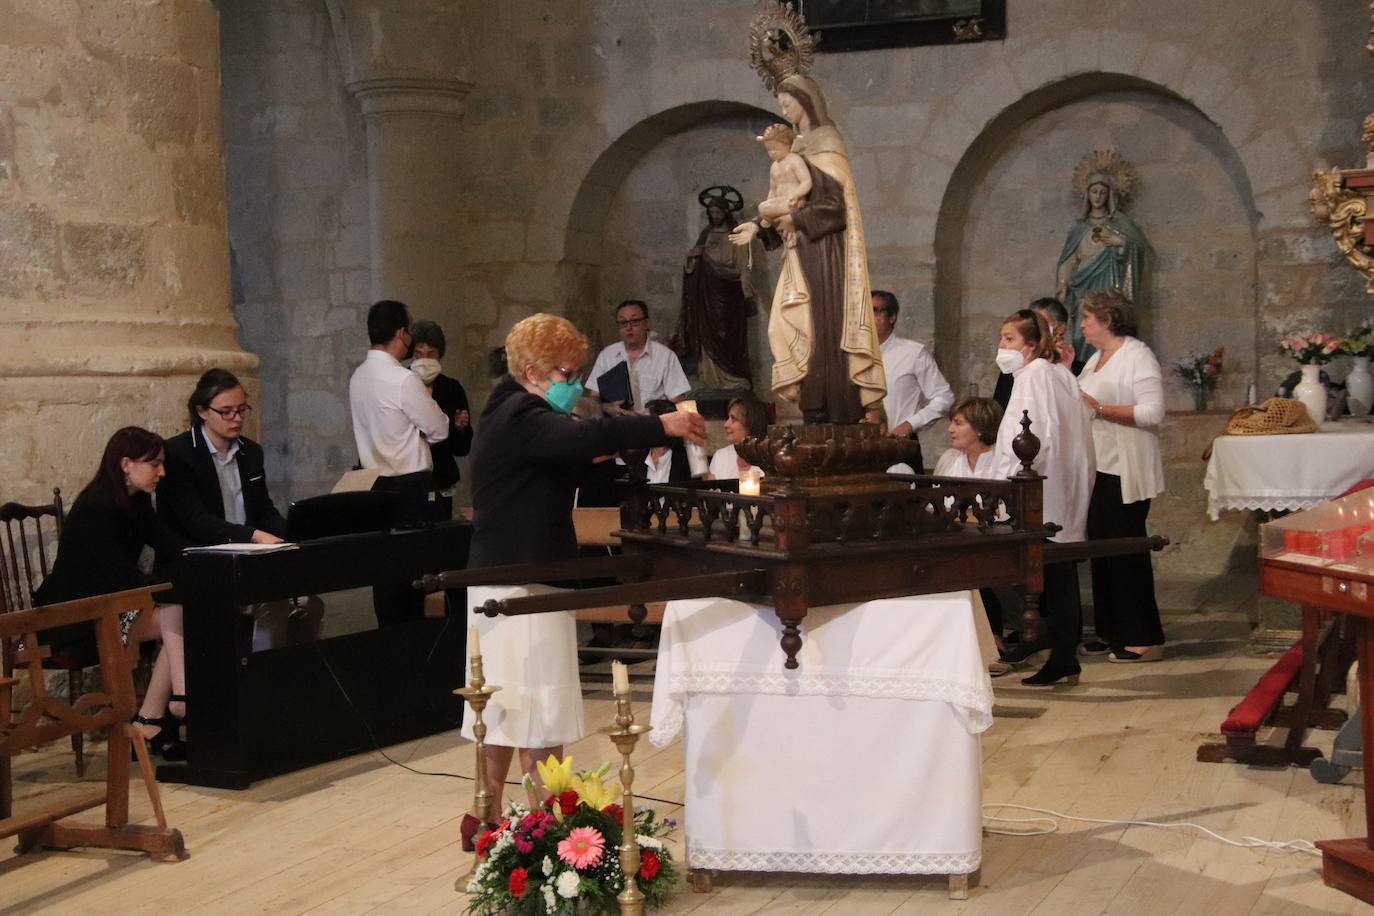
[(544, 342)]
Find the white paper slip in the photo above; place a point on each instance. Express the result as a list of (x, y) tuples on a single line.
[(239, 548)]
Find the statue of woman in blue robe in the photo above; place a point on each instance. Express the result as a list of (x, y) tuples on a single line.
[(1103, 249)]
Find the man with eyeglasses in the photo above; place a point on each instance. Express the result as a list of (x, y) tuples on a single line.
[(215, 491), (917, 393), (655, 372)]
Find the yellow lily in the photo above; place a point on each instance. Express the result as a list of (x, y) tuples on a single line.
[(594, 793), (555, 774)]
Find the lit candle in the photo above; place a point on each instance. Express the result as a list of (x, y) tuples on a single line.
[(474, 644), (620, 679), (687, 406), (749, 483)]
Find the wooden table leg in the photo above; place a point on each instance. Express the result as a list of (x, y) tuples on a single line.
[(1348, 865)]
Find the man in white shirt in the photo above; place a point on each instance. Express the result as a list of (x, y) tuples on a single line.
[(655, 372), (917, 394), (394, 417)]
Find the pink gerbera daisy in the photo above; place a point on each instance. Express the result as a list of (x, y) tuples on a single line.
[(582, 848)]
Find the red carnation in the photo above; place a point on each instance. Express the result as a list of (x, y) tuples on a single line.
[(616, 812), (518, 879), (648, 864), (568, 801), (484, 843)]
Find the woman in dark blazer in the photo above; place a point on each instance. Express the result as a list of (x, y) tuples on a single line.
[(448, 393), (107, 528), (528, 456)]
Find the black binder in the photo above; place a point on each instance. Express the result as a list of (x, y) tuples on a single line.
[(613, 385)]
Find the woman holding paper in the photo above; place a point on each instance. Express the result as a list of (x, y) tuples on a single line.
[(527, 457)]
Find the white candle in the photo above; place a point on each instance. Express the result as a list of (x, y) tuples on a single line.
[(620, 679), (474, 644), (687, 406), (749, 483)]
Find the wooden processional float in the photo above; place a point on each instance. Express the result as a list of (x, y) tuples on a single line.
[(829, 526)]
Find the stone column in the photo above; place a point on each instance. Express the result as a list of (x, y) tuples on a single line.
[(114, 252), (414, 187)]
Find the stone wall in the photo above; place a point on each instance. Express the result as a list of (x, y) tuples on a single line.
[(114, 272), (962, 156)]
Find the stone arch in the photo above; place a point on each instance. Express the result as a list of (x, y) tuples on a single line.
[(580, 266), (998, 138)]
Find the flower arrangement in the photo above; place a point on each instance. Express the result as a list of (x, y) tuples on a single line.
[(1201, 370), (1314, 348), (561, 857), (1360, 341)]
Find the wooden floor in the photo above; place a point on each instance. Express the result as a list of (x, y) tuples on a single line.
[(364, 836)]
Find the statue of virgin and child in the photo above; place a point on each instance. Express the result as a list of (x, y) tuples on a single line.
[(820, 329)]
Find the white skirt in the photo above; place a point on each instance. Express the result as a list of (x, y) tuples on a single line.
[(533, 659)]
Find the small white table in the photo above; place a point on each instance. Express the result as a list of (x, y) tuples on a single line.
[(1276, 473), (865, 760)]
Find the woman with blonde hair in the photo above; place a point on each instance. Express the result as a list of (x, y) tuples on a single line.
[(527, 457), (1048, 393)]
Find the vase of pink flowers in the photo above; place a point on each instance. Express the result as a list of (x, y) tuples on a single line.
[(1312, 351)]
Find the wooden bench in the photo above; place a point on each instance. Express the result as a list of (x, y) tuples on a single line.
[(1314, 668)]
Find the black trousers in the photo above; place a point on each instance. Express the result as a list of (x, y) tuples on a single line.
[(397, 602), (1062, 610), (1124, 606)]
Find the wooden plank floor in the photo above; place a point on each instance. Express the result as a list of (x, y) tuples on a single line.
[(363, 836)]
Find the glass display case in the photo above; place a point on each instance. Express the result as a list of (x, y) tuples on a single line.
[(1338, 532)]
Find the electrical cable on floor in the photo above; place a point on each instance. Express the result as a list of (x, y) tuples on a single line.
[(376, 745), (1049, 821)]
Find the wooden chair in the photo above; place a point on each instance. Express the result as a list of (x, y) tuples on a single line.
[(47, 718), (26, 554)]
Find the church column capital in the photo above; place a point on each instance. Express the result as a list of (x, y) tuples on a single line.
[(422, 95)]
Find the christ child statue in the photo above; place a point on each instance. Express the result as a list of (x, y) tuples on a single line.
[(789, 180)]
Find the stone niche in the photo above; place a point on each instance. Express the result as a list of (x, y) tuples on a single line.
[(654, 217), (1011, 203)]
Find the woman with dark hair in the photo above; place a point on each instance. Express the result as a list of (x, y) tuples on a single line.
[(1124, 388), (110, 523), (1048, 393), (745, 418), (973, 424), (216, 487), (429, 348)]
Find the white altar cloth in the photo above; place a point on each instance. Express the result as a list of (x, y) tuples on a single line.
[(865, 760), (1287, 472)]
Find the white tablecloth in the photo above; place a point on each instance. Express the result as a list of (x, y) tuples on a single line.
[(1287, 472), (865, 760)]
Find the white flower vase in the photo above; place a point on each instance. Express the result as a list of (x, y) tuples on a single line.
[(1312, 393), (1359, 388)]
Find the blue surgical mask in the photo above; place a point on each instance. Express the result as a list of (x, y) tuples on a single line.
[(563, 396)]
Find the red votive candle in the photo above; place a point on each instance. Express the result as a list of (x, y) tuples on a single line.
[(1339, 545), (1309, 543), (1290, 540)]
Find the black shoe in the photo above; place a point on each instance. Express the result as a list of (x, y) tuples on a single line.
[(173, 748), (1023, 650), (1052, 674), (155, 742), (1095, 647)]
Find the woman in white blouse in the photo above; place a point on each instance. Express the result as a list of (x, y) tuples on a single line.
[(973, 426), (745, 417), (1048, 392), (1124, 388)]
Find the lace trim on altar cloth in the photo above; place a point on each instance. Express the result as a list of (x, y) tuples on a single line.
[(974, 703), (837, 863), (1219, 504)]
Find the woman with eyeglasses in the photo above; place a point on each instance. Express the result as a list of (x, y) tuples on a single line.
[(102, 538), (216, 486), (527, 457)]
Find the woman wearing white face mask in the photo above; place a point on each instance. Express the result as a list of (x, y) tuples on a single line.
[(1049, 393), (429, 346), (527, 458)]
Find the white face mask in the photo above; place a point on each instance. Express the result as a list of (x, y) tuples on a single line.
[(1009, 360), (426, 369)]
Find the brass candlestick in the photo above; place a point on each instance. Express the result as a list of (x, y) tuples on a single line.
[(625, 733), (476, 694)]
